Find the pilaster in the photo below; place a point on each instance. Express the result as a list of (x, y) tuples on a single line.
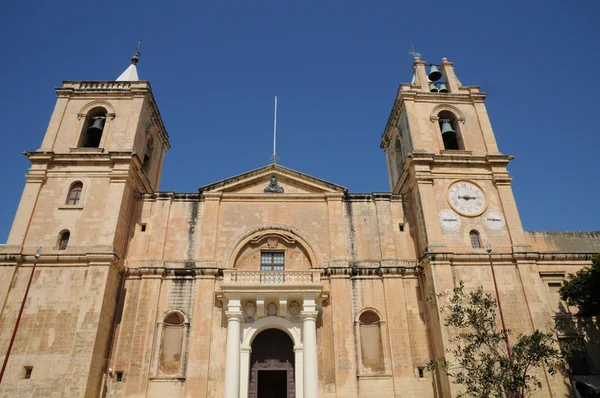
[(209, 225), (337, 231)]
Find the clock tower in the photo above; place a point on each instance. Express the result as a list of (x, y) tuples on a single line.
[(443, 159)]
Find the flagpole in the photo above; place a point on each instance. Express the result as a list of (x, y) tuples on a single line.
[(12, 339), (275, 133)]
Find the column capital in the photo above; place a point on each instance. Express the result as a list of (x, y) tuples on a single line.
[(309, 315), (233, 316)]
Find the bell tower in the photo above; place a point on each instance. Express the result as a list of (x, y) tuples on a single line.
[(104, 146), (443, 159), (107, 139), (442, 155)]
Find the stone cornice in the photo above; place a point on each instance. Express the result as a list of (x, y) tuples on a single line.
[(502, 258), (378, 271), (196, 197), (122, 166), (164, 272), (63, 259), (45, 156), (273, 169)]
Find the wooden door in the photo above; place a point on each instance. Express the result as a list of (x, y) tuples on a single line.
[(272, 366)]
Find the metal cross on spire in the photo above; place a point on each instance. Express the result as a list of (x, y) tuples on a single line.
[(136, 56), (413, 52), (274, 157)]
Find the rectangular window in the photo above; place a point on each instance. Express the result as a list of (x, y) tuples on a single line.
[(272, 261), (27, 372), (119, 377)]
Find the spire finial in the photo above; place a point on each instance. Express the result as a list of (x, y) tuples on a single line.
[(136, 56)]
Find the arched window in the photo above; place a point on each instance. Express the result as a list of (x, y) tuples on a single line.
[(74, 196), (63, 239), (370, 341), (148, 153), (91, 134), (450, 131), (171, 347), (475, 240)]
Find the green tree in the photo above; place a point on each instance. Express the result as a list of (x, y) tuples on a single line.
[(582, 290), (483, 365)]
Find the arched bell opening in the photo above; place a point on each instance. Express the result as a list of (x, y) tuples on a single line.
[(272, 365), (148, 153), (450, 131), (399, 153), (93, 127)]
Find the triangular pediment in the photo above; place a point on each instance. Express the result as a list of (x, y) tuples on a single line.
[(255, 182)]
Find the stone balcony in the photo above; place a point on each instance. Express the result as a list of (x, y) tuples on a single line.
[(272, 284), (271, 277)]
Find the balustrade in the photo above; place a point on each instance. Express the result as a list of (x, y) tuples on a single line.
[(271, 277)]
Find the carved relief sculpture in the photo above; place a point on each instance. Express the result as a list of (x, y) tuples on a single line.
[(272, 309), (273, 186)]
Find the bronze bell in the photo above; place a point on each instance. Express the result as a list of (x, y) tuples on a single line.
[(433, 88), (97, 125), (434, 73), (449, 136), (447, 128), (443, 88), (93, 134)]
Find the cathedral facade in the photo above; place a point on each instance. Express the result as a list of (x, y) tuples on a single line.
[(272, 283)]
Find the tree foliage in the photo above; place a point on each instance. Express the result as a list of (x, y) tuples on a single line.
[(582, 290), (483, 366)]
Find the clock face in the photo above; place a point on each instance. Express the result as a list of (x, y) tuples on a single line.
[(449, 219), (466, 198), (494, 220)]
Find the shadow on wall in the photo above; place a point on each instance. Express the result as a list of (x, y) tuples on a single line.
[(580, 338)]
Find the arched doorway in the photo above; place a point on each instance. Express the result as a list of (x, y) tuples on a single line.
[(272, 365)]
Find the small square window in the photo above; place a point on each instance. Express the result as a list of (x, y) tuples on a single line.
[(27, 372), (421, 373), (401, 226), (119, 377), (143, 227)]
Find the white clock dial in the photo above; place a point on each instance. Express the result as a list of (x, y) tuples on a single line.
[(494, 220), (449, 219), (466, 198)]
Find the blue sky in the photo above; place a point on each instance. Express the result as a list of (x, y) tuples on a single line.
[(335, 65)]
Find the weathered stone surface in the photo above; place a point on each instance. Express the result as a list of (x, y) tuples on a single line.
[(95, 316)]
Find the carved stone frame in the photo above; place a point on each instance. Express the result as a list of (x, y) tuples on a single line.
[(155, 372)]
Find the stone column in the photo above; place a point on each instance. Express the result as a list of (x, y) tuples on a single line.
[(232, 351), (309, 340), (299, 382)]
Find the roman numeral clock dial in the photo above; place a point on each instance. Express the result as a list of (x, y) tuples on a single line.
[(467, 198)]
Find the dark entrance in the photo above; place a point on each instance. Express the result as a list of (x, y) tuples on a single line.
[(272, 366)]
